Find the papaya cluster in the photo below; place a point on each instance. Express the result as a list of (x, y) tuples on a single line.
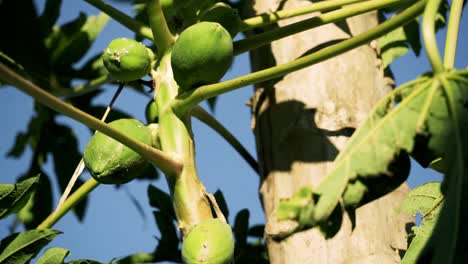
[(203, 51)]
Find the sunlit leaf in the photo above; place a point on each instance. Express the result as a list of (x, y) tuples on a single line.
[(392, 46), (53, 256), (21, 247), (13, 197), (427, 200)]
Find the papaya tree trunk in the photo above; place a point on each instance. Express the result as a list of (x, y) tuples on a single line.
[(302, 121)]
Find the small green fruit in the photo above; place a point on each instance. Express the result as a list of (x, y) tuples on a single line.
[(211, 241), (152, 112), (201, 55), (224, 15), (126, 59), (111, 162)]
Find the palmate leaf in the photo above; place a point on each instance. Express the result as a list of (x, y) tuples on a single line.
[(426, 199), (412, 119), (449, 241), (68, 43), (21, 247), (14, 196)]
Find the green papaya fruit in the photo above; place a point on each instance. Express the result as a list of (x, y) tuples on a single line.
[(111, 162), (126, 59), (224, 15), (211, 241), (201, 55), (152, 112)]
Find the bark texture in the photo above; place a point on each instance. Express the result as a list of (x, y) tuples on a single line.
[(302, 121)]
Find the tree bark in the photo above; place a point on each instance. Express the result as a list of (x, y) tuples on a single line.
[(302, 121)]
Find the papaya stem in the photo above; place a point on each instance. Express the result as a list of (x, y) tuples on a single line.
[(188, 100), (210, 121), (273, 17), (165, 162), (428, 32), (69, 203), (452, 33), (122, 18), (162, 35), (265, 38)]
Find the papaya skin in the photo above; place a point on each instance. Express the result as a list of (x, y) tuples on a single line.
[(211, 241), (126, 59), (201, 55), (224, 15), (111, 162)]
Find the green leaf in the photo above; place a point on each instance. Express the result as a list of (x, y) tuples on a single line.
[(84, 261), (13, 197), (450, 237), (18, 148), (168, 245), (241, 228), (422, 198), (71, 41), (426, 199), (50, 15), (160, 200), (392, 46), (39, 205), (412, 34), (53, 256), (222, 203), (136, 258), (21, 247)]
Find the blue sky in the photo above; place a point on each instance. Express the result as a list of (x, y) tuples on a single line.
[(112, 226)]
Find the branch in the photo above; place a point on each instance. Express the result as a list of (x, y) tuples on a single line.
[(428, 31), (163, 37), (122, 18), (262, 39), (273, 17), (452, 33), (69, 203), (163, 161), (190, 99), (210, 121)]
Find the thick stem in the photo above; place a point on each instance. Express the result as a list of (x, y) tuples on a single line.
[(187, 101), (163, 161), (188, 193), (162, 35), (452, 33), (430, 42), (259, 40), (273, 17), (210, 121), (123, 19), (76, 197)]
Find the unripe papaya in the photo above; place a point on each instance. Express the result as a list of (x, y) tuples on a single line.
[(126, 59), (211, 241), (201, 55), (111, 162), (152, 112), (224, 15)]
